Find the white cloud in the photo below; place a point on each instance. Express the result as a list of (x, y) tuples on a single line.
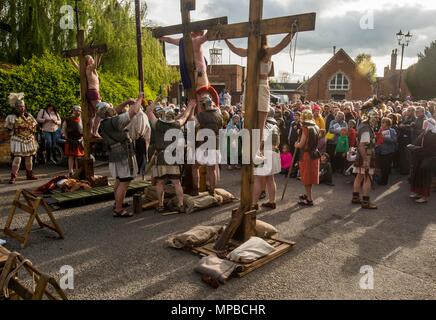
[(337, 24)]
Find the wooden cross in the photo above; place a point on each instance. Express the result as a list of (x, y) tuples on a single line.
[(186, 6), (81, 51), (242, 219)]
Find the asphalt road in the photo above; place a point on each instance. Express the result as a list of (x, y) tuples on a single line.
[(127, 259)]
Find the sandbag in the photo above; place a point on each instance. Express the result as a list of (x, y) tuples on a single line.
[(226, 196), (265, 230), (200, 202), (195, 237), (216, 268), (251, 250)]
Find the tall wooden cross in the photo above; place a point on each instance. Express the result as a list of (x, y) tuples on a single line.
[(81, 51), (242, 224)]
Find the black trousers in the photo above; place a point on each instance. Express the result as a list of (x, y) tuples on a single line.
[(385, 163)]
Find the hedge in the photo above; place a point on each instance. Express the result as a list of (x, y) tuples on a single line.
[(51, 79)]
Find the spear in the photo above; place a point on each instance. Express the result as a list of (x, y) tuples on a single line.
[(139, 45)]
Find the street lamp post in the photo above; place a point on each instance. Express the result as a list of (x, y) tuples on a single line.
[(403, 41)]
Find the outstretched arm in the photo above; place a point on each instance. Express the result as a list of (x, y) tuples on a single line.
[(239, 51), (149, 111), (98, 60), (74, 62), (136, 107), (170, 40), (191, 105), (283, 44)]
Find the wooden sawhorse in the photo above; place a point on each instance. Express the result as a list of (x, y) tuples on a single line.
[(11, 287), (31, 207)]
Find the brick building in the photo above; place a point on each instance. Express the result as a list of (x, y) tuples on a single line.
[(338, 79), (388, 85), (221, 76)]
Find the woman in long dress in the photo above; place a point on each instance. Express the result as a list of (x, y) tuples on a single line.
[(310, 157)]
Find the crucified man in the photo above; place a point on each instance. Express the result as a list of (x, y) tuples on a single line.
[(198, 39), (265, 65), (93, 91)]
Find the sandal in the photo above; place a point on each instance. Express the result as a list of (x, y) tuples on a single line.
[(123, 214), (302, 197), (306, 203), (125, 205), (160, 209), (269, 205)]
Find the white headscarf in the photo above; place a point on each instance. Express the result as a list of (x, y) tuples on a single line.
[(430, 125)]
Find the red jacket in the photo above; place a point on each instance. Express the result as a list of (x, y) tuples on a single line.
[(352, 137)]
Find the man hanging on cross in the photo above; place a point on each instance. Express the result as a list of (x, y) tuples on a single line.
[(265, 65), (93, 91), (202, 85)]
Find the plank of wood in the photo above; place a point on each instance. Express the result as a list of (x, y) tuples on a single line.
[(193, 26), (90, 50), (306, 22)]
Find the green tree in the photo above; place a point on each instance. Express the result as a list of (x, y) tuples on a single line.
[(367, 67), (30, 27), (421, 77)]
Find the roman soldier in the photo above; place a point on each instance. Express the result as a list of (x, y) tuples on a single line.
[(365, 162), (22, 127), (122, 161), (210, 118), (162, 170)]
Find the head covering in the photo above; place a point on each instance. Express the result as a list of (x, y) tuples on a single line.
[(368, 109), (271, 116), (307, 117), (316, 107), (103, 110), (16, 99), (168, 115), (206, 102), (77, 108), (430, 125)]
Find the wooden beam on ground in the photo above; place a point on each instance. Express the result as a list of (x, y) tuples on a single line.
[(193, 26), (306, 22)]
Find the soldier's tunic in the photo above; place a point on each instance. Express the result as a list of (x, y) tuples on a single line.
[(213, 120), (23, 142), (122, 161), (366, 135), (161, 168)]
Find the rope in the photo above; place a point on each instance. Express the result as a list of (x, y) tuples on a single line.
[(218, 35), (294, 53)]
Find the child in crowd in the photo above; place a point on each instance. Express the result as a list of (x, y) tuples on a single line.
[(322, 141), (286, 159), (325, 170), (342, 148), (352, 133)]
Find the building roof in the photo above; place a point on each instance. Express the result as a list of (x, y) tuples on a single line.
[(340, 51), (284, 86)]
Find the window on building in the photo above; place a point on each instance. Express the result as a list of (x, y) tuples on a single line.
[(340, 82)]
